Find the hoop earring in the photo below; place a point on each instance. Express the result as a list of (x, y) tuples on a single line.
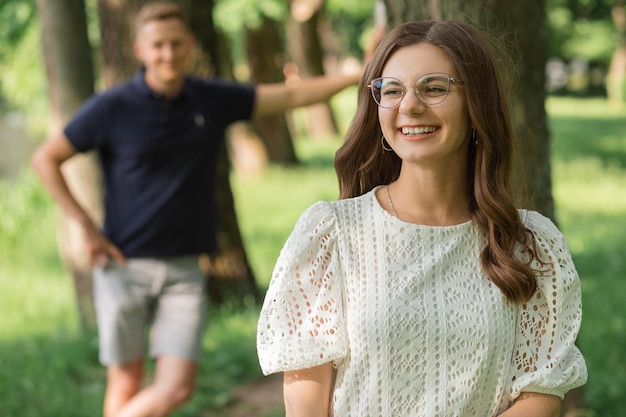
[(474, 137), (382, 144)]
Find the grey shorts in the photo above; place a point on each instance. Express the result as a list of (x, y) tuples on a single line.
[(160, 300)]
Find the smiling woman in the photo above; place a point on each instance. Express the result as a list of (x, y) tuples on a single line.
[(424, 291)]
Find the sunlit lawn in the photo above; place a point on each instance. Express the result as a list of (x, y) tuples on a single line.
[(49, 368), (589, 173)]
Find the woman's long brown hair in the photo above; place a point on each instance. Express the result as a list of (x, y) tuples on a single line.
[(361, 164)]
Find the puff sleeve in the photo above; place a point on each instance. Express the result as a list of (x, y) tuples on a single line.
[(301, 324), (545, 357)]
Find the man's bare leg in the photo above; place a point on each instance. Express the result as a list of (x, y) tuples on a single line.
[(174, 383), (123, 383)]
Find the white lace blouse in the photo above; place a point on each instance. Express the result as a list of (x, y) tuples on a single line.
[(410, 321)]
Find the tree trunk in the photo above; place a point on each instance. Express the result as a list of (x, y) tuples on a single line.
[(69, 69), (526, 28), (246, 150), (305, 49), (117, 23), (616, 78), (266, 58), (519, 23), (228, 274)]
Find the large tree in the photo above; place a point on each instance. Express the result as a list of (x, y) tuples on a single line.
[(306, 51), (520, 25), (616, 78), (256, 36), (69, 69), (266, 56)]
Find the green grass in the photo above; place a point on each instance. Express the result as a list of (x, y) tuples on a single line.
[(589, 174), (48, 365)]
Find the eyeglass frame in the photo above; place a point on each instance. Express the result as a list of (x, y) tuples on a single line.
[(443, 75)]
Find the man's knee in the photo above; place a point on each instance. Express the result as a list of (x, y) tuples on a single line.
[(126, 377), (175, 380), (172, 396), (123, 383), (182, 394)]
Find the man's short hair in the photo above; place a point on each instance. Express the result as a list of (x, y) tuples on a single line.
[(160, 10)]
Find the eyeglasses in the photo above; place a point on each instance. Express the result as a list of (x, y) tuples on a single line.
[(430, 89)]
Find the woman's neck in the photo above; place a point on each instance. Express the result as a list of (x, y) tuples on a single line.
[(430, 198)]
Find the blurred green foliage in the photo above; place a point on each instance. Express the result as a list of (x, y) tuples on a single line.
[(577, 29), (352, 20), (22, 79), (250, 14), (349, 20), (15, 16), (581, 29)]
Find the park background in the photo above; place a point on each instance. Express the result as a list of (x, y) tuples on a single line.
[(48, 355)]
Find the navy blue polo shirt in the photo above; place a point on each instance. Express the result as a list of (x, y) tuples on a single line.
[(159, 160)]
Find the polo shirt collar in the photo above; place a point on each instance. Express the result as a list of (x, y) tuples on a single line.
[(139, 82)]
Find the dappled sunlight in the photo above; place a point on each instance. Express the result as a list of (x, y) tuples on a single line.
[(600, 187)]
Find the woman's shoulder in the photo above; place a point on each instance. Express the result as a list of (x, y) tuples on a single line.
[(335, 209), (551, 244), (360, 201), (539, 224), (339, 206)]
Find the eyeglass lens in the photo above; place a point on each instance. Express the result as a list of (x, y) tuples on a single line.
[(429, 89)]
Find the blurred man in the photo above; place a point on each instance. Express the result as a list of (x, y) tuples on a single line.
[(157, 136)]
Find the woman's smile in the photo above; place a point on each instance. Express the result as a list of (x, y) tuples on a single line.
[(418, 132)]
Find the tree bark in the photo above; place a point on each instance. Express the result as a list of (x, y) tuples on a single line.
[(525, 27), (229, 274), (305, 49), (616, 78), (266, 59), (69, 69), (117, 23)]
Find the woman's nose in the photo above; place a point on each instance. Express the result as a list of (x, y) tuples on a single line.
[(411, 104)]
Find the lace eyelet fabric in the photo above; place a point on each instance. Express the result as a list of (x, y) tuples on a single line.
[(409, 320)]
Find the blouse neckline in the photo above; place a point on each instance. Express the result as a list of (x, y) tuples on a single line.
[(402, 223)]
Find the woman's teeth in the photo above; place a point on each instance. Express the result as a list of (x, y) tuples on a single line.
[(417, 130)]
